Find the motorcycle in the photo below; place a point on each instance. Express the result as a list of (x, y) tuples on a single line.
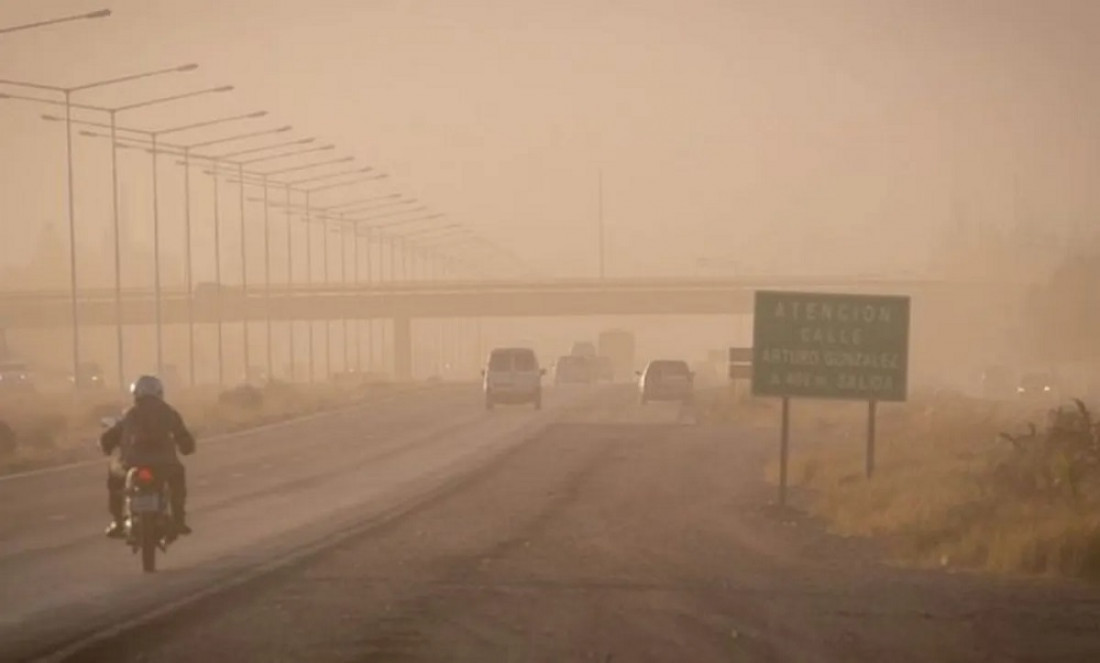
[(149, 524)]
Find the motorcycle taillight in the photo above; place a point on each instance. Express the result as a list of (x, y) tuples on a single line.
[(144, 475)]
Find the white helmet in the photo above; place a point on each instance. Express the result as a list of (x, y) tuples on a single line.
[(147, 385)]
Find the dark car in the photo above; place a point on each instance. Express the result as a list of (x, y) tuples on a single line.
[(666, 380)]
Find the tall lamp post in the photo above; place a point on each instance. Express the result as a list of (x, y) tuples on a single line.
[(264, 180), (102, 13), (113, 136), (188, 153), (243, 178), (287, 206), (68, 103)]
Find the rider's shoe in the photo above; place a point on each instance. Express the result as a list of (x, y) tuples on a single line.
[(115, 530), (182, 528)]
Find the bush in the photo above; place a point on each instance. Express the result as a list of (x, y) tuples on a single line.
[(246, 397), (8, 442), (1060, 463), (949, 490)]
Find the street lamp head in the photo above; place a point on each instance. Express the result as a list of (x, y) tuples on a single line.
[(187, 67), (283, 129), (52, 118), (327, 147), (306, 141), (345, 160), (102, 13), (224, 88), (257, 114)]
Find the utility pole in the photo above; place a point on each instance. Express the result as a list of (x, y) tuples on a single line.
[(599, 217)]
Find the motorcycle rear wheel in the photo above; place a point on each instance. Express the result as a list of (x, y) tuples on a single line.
[(149, 536)]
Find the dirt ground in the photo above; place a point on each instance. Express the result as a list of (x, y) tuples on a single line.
[(622, 536)]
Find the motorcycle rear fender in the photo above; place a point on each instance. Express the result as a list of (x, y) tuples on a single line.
[(134, 486)]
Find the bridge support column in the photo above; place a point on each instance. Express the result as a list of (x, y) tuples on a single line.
[(402, 348)]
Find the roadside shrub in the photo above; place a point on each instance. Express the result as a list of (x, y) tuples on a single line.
[(246, 397), (8, 442)]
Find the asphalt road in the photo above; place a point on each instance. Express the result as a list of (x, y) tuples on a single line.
[(597, 530), (255, 498)]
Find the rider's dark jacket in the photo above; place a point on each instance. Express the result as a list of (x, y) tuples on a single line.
[(148, 434)]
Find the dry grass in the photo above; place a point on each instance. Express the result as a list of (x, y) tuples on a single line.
[(53, 429), (939, 495)]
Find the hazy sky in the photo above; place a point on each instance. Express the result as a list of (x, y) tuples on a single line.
[(784, 135)]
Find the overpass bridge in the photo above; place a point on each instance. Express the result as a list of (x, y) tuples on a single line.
[(452, 299), (402, 303)]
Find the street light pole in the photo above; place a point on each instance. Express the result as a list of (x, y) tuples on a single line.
[(72, 236), (218, 285), (267, 282), (359, 316), (344, 283), (290, 282), (244, 281), (324, 276), (188, 266), (599, 214), (102, 13), (156, 262), (309, 282), (67, 92), (118, 256)]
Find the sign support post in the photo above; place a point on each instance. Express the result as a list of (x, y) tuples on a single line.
[(872, 406), (784, 446), (828, 346)]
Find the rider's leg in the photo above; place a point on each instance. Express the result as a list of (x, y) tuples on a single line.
[(177, 487), (116, 496)]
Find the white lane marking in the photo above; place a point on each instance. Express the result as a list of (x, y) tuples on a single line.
[(58, 517), (221, 437)]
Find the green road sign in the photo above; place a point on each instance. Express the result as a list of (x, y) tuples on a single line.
[(818, 345)]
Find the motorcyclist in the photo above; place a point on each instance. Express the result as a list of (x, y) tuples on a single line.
[(148, 434)]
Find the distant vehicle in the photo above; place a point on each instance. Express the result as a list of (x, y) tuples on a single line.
[(513, 376), (666, 380), (583, 349), (571, 369), (89, 376), (618, 346), (1038, 385), (15, 376)]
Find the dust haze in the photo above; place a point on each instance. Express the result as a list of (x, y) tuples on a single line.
[(714, 140), (457, 298)]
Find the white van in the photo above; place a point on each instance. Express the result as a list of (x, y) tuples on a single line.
[(513, 376)]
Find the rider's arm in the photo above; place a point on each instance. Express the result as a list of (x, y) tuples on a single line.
[(111, 438), (185, 441)]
